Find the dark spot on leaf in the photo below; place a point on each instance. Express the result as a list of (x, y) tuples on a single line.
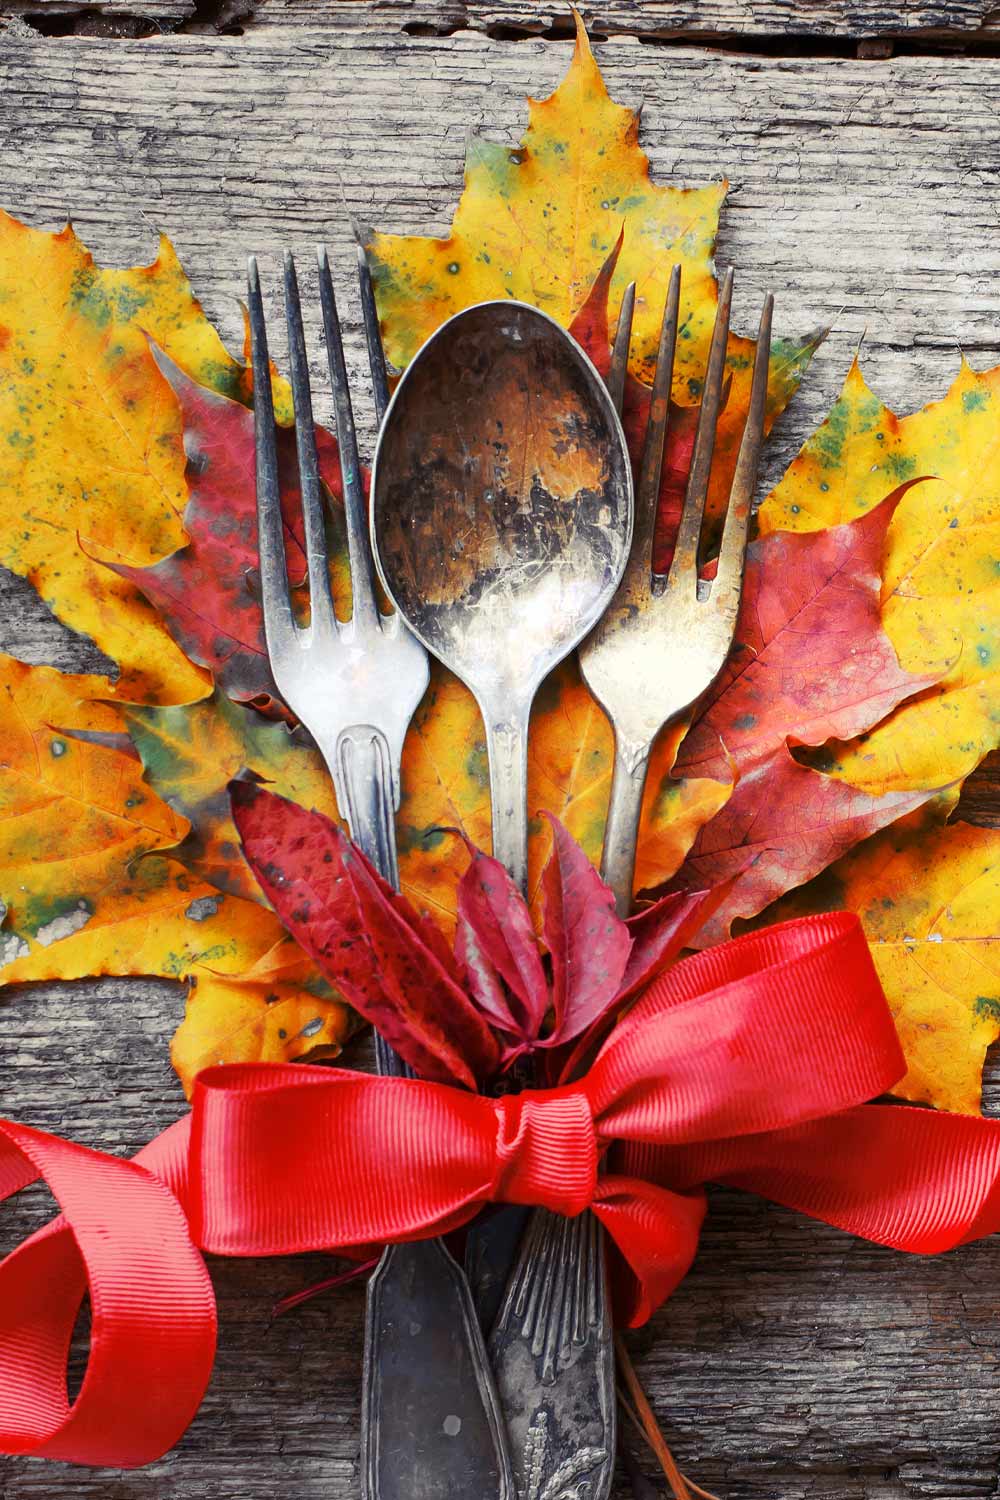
[(205, 906)]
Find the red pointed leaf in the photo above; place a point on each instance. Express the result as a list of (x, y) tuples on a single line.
[(659, 934), (590, 325), (811, 661), (488, 989), (363, 935), (207, 592), (496, 942), (588, 943), (590, 329)]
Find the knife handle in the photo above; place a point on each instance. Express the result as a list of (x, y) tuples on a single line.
[(431, 1427)]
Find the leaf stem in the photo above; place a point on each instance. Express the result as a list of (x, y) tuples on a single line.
[(636, 1406)]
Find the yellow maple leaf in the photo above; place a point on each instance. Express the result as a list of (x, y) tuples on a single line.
[(192, 752), (927, 896), (280, 1010), (73, 814), (230, 1020), (93, 461), (89, 884), (537, 223), (941, 577), (158, 299)]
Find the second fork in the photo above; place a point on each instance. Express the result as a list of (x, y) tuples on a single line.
[(663, 641)]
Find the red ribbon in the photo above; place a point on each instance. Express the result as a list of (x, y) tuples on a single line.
[(748, 1065)]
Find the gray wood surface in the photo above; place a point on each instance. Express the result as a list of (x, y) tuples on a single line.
[(778, 24), (794, 1362)]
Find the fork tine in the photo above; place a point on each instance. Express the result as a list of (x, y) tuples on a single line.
[(364, 608), (373, 336), (684, 567), (279, 622), (647, 497), (320, 597), (619, 354), (729, 577)]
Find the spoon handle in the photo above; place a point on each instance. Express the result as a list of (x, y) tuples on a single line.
[(431, 1427), (507, 748), (551, 1346)]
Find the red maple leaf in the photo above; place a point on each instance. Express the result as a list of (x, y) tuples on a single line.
[(207, 593)]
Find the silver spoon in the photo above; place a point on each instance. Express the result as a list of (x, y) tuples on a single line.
[(502, 522), (502, 519)]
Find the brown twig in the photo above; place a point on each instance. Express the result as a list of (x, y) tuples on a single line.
[(637, 1408)]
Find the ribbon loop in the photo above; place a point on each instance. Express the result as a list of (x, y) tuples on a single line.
[(546, 1150), (152, 1340)]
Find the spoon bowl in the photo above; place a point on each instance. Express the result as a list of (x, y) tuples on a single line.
[(502, 518)]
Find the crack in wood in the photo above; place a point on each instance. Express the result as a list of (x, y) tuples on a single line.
[(862, 30)]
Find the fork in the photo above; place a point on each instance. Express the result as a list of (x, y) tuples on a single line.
[(431, 1423), (664, 639)]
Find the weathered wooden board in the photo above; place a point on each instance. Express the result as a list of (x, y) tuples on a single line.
[(663, 19), (794, 1362), (956, 23)]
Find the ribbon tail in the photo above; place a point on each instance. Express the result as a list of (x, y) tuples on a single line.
[(654, 1237), (917, 1180)]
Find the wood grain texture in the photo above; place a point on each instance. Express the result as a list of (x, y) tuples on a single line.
[(955, 23), (794, 1362), (662, 19)]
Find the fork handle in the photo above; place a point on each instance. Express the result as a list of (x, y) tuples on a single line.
[(621, 831), (366, 795), (431, 1427)]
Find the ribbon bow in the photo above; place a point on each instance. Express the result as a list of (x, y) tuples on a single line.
[(747, 1065)]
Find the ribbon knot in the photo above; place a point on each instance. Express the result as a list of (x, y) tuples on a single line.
[(546, 1150)]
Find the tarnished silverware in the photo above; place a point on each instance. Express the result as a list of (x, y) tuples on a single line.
[(431, 1424), (664, 640), (502, 515)]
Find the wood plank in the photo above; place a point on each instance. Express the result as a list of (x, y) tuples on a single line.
[(655, 20), (954, 22), (793, 1361)]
